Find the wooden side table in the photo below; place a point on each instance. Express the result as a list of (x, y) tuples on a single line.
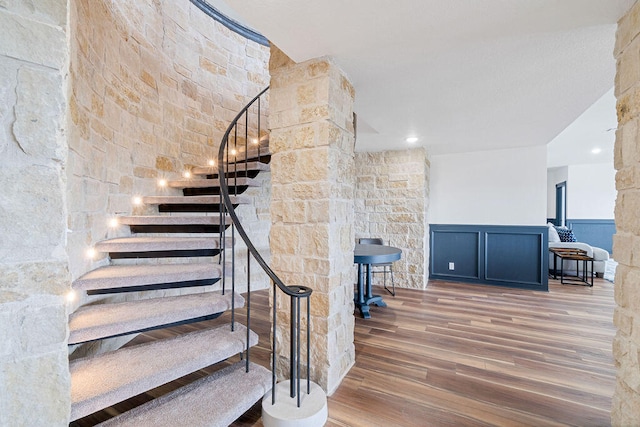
[(577, 255)]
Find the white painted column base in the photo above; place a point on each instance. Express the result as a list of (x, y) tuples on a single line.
[(312, 412)]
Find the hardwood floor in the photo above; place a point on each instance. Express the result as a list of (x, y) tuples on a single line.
[(461, 354), (466, 355)]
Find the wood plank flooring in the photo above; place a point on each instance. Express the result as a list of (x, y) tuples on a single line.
[(464, 355)]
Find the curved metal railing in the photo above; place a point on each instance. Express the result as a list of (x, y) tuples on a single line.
[(231, 164)]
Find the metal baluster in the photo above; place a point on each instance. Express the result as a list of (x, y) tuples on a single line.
[(248, 305), (292, 349), (273, 348), (259, 158), (308, 345), (233, 249), (233, 228), (298, 348)]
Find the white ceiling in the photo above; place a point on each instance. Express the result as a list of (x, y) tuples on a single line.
[(593, 130), (461, 75)]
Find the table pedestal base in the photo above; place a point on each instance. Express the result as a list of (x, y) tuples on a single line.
[(364, 306), (364, 297)]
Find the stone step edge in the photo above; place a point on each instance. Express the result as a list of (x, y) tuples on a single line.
[(213, 401), (93, 322), (122, 276), (104, 380)]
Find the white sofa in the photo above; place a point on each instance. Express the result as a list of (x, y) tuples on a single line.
[(600, 256)]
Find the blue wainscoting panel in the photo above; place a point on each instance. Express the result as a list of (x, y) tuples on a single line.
[(514, 256), (595, 232), (462, 248), (509, 258)]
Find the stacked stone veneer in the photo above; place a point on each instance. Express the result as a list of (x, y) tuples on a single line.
[(312, 235), (154, 86), (34, 373), (99, 99), (626, 245), (392, 194)]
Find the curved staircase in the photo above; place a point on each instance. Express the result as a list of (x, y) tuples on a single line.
[(170, 250)]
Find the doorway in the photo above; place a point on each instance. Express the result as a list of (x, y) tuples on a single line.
[(561, 204)]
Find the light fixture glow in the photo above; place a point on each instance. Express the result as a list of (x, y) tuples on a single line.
[(113, 222), (187, 174), (71, 296), (255, 140), (234, 152), (212, 162), (412, 139), (162, 182), (137, 200), (596, 150), (91, 253)]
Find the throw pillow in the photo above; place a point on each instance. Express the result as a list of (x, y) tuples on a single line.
[(565, 234), (553, 234)]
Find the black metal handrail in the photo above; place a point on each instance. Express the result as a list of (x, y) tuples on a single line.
[(235, 26), (228, 162)]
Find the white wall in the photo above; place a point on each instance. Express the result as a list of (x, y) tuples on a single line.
[(591, 191), (554, 176), (500, 187)]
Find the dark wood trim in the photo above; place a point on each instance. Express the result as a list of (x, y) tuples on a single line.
[(155, 286)]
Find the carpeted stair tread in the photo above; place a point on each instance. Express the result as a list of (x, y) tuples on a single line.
[(122, 276), (92, 322), (191, 200), (213, 170), (104, 380), (152, 243), (213, 401), (211, 183), (172, 220)]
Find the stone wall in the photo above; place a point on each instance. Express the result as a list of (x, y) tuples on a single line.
[(392, 195), (154, 86), (626, 244), (34, 373), (312, 214), (93, 110)]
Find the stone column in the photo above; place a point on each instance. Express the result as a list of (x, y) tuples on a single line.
[(34, 372), (626, 245), (312, 207)]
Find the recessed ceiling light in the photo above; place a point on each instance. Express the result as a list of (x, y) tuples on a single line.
[(596, 150), (412, 139)]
